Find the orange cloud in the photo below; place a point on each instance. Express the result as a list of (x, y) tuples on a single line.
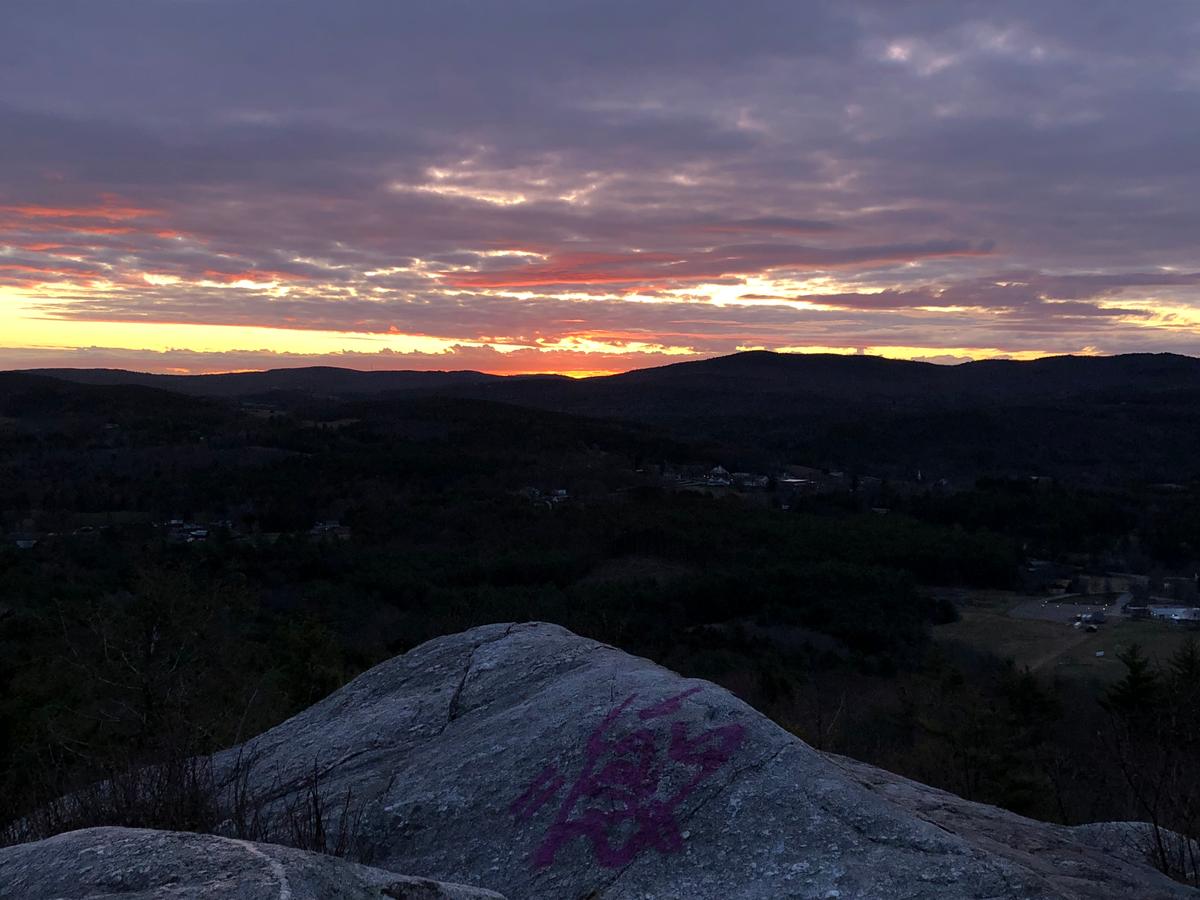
[(586, 268), (256, 275), (36, 226), (40, 228), (39, 246), (111, 216), (112, 211), (22, 275), (49, 270)]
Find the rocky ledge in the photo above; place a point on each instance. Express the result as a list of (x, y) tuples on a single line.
[(133, 864), (539, 764)]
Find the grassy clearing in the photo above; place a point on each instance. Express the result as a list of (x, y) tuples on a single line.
[(1054, 648)]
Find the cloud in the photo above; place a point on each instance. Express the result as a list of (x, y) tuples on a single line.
[(865, 172), (700, 264), (459, 358)]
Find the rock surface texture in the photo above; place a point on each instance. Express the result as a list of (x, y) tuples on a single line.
[(133, 864), (536, 763)]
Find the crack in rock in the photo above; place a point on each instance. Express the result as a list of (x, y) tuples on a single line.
[(452, 712)]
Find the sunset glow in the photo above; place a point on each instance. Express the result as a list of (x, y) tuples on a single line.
[(633, 209)]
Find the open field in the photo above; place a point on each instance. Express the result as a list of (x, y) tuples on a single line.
[(1036, 633)]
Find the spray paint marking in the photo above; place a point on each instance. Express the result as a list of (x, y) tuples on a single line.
[(621, 790)]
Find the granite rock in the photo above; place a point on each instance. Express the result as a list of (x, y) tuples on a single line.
[(540, 764), (138, 864)]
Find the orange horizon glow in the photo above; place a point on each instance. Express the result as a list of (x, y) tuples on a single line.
[(150, 346), (65, 292)]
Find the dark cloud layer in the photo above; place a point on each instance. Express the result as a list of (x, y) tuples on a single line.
[(1004, 176)]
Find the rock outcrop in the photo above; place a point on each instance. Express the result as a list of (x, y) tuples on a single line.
[(134, 864), (533, 762)]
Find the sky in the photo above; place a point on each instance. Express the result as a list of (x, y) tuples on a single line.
[(223, 185)]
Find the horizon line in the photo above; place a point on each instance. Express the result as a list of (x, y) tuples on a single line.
[(586, 374)]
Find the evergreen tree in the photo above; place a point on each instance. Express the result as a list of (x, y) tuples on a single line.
[(1138, 694)]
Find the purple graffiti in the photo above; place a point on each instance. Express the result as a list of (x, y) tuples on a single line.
[(668, 706), (618, 790), (543, 788)]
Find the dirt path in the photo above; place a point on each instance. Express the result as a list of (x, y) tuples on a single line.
[(1076, 640)]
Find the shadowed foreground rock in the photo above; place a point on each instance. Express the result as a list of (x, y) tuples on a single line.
[(531, 761), (134, 864)]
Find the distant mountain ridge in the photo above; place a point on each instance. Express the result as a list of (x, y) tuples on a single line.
[(314, 379), (756, 370), (1099, 418), (839, 373)]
